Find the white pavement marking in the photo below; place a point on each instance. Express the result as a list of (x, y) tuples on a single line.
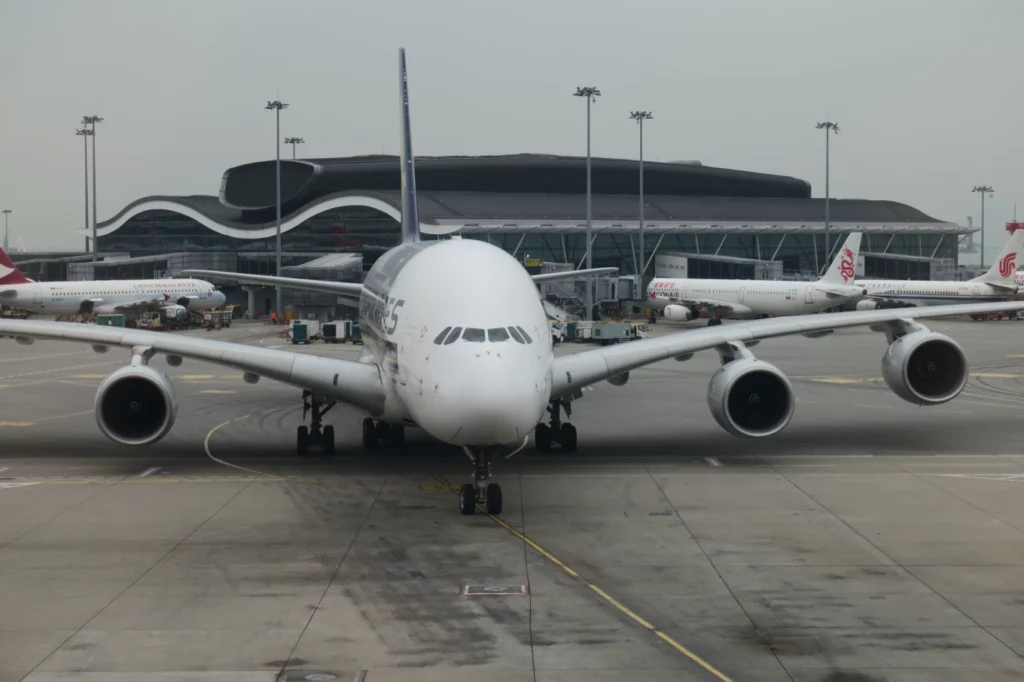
[(15, 485), (149, 472), (713, 461), (1013, 478)]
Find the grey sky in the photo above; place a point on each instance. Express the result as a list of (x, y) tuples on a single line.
[(928, 92)]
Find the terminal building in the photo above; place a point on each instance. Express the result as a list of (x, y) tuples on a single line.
[(340, 214)]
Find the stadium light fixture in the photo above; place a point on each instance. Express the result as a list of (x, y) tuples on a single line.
[(277, 105), (983, 190), (6, 213), (640, 117), (591, 94), (828, 127), (85, 133), (93, 120), (294, 141)]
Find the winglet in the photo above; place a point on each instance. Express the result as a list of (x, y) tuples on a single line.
[(844, 268), (9, 273), (410, 210), (1003, 272)]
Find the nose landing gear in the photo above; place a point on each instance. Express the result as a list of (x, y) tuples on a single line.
[(555, 431), (481, 491), (375, 433), (315, 435)]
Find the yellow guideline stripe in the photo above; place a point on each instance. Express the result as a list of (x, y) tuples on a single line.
[(597, 590)]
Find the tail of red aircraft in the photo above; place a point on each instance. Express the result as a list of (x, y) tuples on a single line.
[(9, 273)]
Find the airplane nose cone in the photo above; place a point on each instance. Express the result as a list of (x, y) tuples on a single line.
[(496, 403)]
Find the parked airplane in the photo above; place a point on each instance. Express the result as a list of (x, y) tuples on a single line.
[(998, 284), (686, 299), (444, 356), (103, 296)]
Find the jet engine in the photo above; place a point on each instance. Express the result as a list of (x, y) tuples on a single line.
[(752, 398), (680, 313), (867, 304), (925, 368), (136, 406)]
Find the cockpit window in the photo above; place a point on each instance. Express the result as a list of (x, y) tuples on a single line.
[(453, 337), (473, 335), (516, 335), (440, 337), (497, 334), (525, 335)]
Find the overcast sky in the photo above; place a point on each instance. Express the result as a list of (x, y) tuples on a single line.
[(928, 93)]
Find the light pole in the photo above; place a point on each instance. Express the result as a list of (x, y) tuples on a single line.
[(86, 120), (6, 212), (277, 105), (293, 141), (590, 94), (640, 117), (983, 189), (828, 127), (85, 133)]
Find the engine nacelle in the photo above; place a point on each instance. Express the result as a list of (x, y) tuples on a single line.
[(136, 406), (925, 368), (680, 313), (867, 304), (751, 398)]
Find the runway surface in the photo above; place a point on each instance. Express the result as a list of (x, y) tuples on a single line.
[(872, 540)]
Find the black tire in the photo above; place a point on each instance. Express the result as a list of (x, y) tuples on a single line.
[(494, 499), (371, 439), (714, 322), (302, 440), (396, 436), (542, 438), (327, 440), (567, 436), (467, 500)]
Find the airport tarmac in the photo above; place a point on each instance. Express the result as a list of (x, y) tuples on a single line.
[(871, 540)]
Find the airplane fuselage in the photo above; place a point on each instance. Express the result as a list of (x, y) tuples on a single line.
[(67, 298), (461, 339), (749, 298), (925, 293)]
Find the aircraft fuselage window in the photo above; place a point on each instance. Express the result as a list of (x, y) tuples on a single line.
[(497, 334), (474, 335), (442, 335), (453, 337)]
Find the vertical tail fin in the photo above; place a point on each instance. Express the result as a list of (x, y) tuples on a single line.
[(1004, 271), (9, 273), (844, 268), (410, 209)]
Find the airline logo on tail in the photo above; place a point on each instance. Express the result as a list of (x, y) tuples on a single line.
[(9, 273), (4, 271), (1008, 264), (847, 265)]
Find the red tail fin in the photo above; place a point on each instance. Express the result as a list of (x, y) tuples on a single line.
[(9, 273)]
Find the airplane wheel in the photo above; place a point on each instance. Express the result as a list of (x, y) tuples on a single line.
[(494, 499), (397, 435), (327, 440), (542, 438), (302, 440), (567, 436), (467, 500), (714, 322), (371, 439)]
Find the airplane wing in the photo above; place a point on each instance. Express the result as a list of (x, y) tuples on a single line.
[(573, 372), (572, 274), (832, 293), (129, 306), (706, 304), (326, 286), (354, 383)]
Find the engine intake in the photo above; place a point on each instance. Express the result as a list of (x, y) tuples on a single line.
[(925, 368), (681, 313), (136, 406), (751, 398)]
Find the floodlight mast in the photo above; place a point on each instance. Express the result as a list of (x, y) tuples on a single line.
[(640, 117), (93, 120), (591, 94), (293, 141), (85, 133), (983, 190), (828, 127), (277, 105)]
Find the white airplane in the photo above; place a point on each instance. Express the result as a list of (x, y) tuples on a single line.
[(998, 284), (685, 299), (103, 296), (442, 355)]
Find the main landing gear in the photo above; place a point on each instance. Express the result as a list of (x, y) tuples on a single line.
[(315, 435), (481, 491), (714, 321), (376, 433), (555, 431)]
